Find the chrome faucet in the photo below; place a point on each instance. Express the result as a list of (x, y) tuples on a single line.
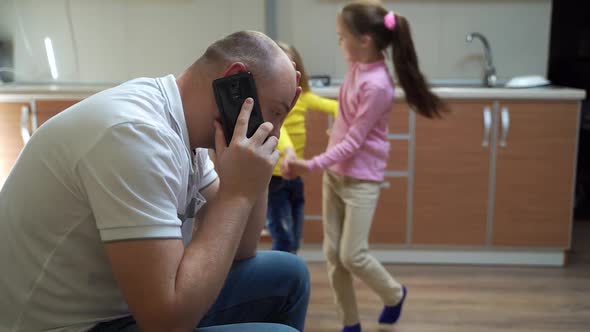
[(490, 78)]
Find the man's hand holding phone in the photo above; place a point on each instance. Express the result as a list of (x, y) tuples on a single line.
[(246, 165)]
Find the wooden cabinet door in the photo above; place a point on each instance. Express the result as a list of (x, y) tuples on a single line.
[(11, 140), (48, 108), (451, 176), (390, 219), (535, 173)]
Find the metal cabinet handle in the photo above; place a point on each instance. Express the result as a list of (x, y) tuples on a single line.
[(505, 117), (487, 126), (33, 116), (24, 124)]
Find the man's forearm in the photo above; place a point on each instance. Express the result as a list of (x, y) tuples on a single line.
[(209, 256), (228, 230), (256, 222)]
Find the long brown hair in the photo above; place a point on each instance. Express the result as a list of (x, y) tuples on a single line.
[(367, 18), (294, 55)]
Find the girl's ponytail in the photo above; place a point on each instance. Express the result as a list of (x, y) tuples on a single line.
[(405, 62), (390, 29)]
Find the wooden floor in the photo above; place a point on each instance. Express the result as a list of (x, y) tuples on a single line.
[(473, 298)]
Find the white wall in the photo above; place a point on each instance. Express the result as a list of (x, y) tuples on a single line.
[(116, 40), (6, 27), (121, 39), (5, 19), (518, 31)]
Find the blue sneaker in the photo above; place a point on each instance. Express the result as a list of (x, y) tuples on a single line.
[(352, 328), (391, 314)]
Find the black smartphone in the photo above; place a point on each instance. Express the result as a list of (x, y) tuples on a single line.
[(230, 94)]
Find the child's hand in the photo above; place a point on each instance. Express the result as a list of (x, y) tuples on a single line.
[(286, 172), (298, 167)]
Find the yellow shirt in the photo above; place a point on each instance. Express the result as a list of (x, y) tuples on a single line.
[(293, 129)]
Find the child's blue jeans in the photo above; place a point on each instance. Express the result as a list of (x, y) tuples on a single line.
[(285, 213)]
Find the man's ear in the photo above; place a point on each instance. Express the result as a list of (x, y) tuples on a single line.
[(234, 68)]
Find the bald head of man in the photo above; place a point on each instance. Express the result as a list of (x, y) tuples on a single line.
[(273, 71)]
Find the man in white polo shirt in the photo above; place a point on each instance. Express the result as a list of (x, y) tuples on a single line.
[(96, 228)]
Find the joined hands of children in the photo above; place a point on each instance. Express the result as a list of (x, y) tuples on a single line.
[(291, 166)]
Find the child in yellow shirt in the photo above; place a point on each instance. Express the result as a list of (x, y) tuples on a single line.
[(285, 197)]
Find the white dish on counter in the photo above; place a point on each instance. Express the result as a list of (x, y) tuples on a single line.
[(530, 81)]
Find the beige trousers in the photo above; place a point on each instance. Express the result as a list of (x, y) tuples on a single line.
[(348, 208)]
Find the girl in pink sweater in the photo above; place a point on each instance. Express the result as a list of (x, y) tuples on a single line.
[(356, 157)]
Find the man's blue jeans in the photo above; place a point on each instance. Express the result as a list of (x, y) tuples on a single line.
[(269, 292), (284, 217)]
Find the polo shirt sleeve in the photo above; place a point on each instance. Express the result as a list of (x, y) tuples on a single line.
[(132, 178), (209, 175)]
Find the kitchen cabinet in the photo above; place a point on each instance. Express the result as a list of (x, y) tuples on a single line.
[(452, 167), (492, 173), (496, 174), (534, 182)]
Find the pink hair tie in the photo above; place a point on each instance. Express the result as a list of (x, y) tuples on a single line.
[(389, 21)]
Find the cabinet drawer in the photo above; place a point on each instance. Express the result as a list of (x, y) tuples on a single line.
[(399, 119), (398, 156)]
